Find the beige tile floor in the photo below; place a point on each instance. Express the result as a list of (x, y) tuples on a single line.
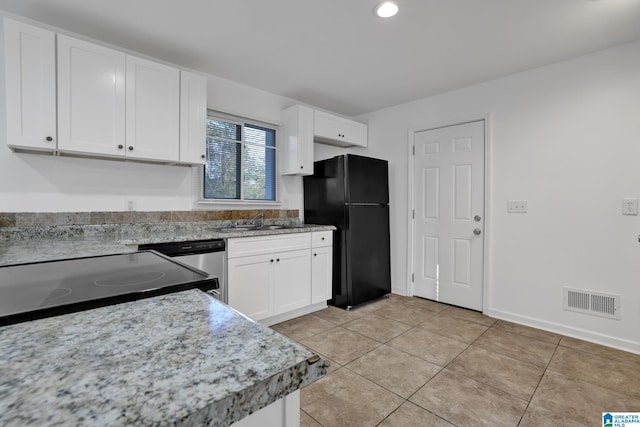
[(412, 362)]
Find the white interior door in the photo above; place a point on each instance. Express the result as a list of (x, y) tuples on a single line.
[(449, 214)]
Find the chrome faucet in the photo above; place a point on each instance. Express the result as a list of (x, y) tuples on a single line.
[(258, 220)]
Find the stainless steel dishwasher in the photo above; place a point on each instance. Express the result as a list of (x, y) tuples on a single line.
[(206, 255)]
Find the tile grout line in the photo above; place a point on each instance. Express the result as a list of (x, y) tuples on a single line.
[(308, 415), (405, 400), (496, 326), (528, 401), (538, 385), (582, 380)]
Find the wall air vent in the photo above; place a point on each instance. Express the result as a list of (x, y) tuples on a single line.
[(589, 302)]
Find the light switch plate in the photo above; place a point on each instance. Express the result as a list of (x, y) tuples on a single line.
[(629, 206), (517, 206)]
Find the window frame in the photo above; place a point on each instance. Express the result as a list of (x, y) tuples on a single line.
[(198, 173)]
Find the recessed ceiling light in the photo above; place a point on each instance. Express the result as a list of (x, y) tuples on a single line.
[(386, 9)]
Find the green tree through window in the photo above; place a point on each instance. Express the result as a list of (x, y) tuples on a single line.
[(241, 161)]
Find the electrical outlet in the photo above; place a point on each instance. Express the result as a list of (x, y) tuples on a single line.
[(517, 206), (629, 206), (130, 204)]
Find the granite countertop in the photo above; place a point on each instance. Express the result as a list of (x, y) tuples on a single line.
[(49, 246), (145, 237), (37, 250), (177, 359)]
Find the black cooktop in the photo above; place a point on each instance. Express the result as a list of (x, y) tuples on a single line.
[(38, 290)]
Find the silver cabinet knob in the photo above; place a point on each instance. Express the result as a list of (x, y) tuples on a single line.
[(477, 218), (477, 231)]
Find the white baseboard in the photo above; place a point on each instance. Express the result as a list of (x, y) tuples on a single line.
[(570, 331), (293, 314)]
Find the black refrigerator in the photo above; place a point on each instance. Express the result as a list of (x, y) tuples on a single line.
[(352, 193)]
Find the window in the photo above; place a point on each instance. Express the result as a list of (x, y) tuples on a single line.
[(241, 161)]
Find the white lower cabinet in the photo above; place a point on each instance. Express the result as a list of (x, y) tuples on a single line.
[(250, 285), (321, 274), (269, 275), (321, 266), (292, 282), (272, 278), (284, 412), (261, 286)]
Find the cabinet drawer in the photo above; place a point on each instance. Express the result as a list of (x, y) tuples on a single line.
[(321, 238), (248, 246)]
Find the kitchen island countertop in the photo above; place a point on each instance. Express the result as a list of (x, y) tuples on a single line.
[(178, 359)]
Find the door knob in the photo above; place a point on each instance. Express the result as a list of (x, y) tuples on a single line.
[(477, 231), (477, 218)]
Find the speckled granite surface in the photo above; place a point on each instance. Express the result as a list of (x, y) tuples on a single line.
[(51, 243), (178, 359), (37, 250), (145, 237)]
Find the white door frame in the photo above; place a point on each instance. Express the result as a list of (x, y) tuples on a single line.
[(486, 276)]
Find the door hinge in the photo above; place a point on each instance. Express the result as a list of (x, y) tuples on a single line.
[(414, 150), (412, 277), (413, 215)]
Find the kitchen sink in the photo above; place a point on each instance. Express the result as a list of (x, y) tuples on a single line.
[(266, 227), (234, 229)]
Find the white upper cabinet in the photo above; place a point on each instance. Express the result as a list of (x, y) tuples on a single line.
[(91, 98), (193, 118), (153, 110), (335, 130), (30, 70), (296, 141)]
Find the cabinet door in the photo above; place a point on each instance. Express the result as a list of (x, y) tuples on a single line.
[(91, 98), (353, 132), (153, 110), (339, 131), (325, 125), (292, 281), (321, 274), (193, 118), (296, 141), (30, 65), (249, 285)]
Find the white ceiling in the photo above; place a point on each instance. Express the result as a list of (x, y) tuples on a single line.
[(335, 54)]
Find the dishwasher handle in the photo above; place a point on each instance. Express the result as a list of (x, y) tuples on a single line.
[(213, 288)]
